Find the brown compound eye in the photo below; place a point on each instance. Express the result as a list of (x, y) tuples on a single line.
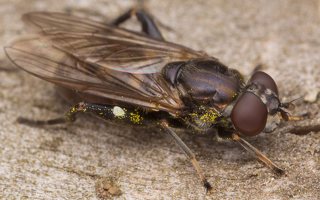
[(249, 115), (264, 79)]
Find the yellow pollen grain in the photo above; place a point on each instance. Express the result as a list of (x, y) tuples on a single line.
[(136, 118), (209, 117)]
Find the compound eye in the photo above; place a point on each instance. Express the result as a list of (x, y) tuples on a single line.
[(264, 79), (249, 115)]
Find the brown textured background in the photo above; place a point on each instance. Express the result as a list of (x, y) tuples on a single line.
[(70, 162)]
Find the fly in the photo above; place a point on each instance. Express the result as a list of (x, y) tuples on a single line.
[(140, 78)]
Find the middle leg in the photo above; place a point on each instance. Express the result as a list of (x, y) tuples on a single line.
[(190, 155)]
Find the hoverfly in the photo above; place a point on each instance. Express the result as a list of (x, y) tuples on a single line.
[(139, 78)]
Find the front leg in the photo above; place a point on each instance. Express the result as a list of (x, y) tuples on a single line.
[(258, 154)]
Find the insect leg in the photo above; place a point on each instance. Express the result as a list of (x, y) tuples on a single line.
[(32, 122), (124, 17), (288, 117), (149, 27), (258, 154), (188, 153)]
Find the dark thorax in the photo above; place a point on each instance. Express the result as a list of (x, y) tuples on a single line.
[(206, 87)]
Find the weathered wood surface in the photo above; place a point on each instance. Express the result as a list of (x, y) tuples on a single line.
[(73, 162)]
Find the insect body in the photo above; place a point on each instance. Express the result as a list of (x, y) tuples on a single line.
[(118, 74)]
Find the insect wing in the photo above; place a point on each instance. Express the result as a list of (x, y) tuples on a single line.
[(97, 59), (38, 57), (107, 46)]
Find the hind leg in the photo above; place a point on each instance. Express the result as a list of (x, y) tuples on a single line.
[(149, 27)]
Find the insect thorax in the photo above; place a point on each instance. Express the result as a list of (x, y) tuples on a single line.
[(204, 82)]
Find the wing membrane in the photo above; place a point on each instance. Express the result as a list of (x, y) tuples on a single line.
[(38, 57), (97, 59), (107, 46)]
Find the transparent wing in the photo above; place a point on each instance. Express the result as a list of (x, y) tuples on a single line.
[(107, 46), (97, 59), (39, 57)]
